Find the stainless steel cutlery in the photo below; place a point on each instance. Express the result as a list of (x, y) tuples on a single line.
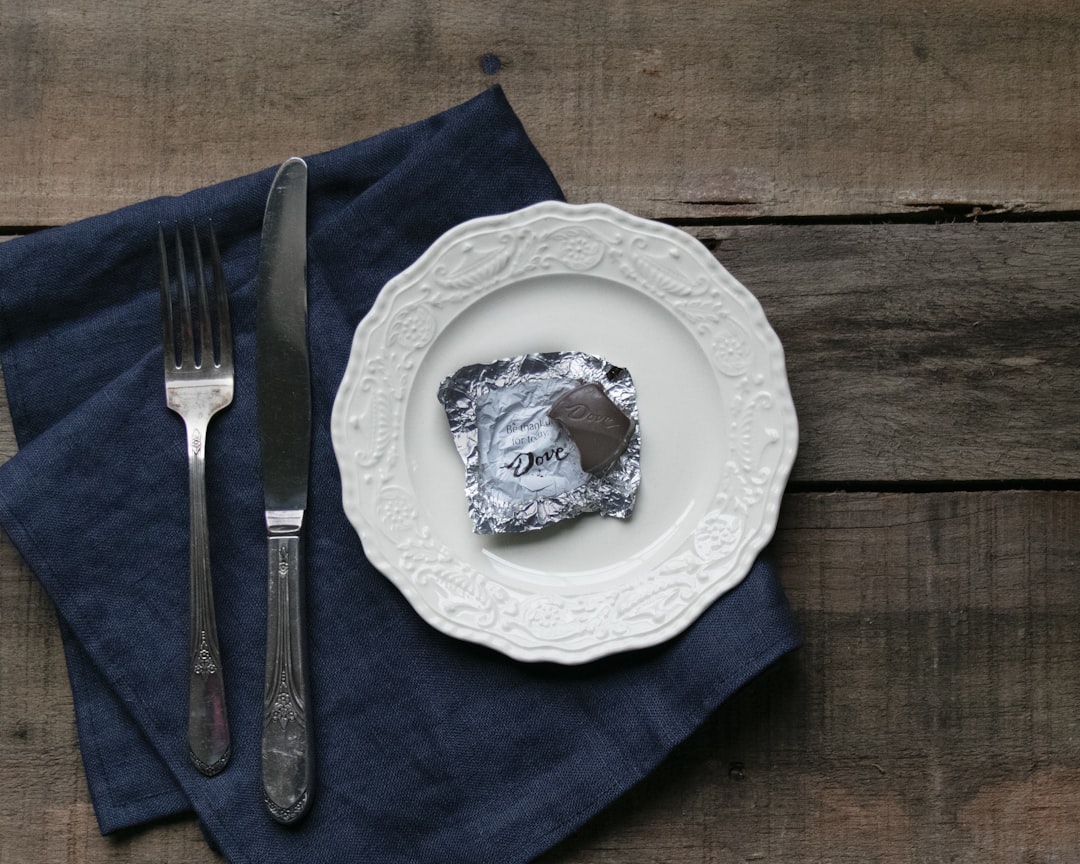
[(197, 347), (284, 409), (198, 354)]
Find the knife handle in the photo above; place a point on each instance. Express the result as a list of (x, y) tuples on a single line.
[(287, 759)]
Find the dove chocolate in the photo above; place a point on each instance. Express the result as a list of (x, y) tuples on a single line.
[(596, 425)]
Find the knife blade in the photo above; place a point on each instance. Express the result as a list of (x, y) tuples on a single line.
[(284, 411)]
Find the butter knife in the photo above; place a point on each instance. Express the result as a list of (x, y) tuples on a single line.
[(284, 411)]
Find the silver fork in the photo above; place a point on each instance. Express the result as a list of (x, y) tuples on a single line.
[(198, 384)]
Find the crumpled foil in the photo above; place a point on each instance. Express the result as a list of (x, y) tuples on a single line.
[(522, 470)]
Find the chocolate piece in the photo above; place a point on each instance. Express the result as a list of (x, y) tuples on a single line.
[(597, 426), (523, 471)]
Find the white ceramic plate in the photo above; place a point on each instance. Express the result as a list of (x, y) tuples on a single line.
[(718, 430)]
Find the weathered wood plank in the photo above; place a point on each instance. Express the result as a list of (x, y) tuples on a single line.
[(931, 715), (923, 352), (8, 447), (917, 352), (746, 107)]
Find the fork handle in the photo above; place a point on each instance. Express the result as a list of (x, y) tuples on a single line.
[(208, 723), (288, 767)]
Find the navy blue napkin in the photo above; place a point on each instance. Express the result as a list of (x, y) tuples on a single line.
[(428, 749)]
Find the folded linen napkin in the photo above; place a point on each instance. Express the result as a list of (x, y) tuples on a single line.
[(427, 749)]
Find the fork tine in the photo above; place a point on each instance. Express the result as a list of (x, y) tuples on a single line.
[(187, 338), (224, 325), (168, 333), (206, 339)]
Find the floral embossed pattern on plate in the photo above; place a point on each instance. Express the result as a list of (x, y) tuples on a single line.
[(718, 430)]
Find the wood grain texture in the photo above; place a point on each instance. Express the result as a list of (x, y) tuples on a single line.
[(8, 447), (926, 353), (682, 108), (931, 715), (916, 353)]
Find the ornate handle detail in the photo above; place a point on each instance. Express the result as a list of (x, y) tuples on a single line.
[(208, 722), (287, 759)]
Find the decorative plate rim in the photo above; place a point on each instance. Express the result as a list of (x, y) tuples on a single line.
[(719, 553)]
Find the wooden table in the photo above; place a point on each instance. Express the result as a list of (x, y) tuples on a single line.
[(897, 182)]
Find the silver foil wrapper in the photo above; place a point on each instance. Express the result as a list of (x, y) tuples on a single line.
[(522, 469)]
